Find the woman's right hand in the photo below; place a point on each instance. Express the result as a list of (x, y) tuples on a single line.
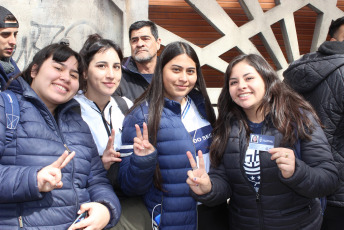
[(49, 177), (198, 178), (142, 146), (110, 155)]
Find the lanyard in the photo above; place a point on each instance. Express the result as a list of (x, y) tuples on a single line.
[(107, 125)]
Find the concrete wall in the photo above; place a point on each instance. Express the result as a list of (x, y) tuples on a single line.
[(43, 22)]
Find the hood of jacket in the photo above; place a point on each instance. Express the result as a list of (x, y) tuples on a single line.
[(308, 72)]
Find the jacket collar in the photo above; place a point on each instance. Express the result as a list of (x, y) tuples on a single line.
[(196, 97), (129, 65), (14, 86)]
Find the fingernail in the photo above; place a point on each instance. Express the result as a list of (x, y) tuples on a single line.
[(79, 212)]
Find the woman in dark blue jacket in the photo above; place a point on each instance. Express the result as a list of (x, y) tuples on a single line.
[(179, 116), (40, 188), (274, 182)]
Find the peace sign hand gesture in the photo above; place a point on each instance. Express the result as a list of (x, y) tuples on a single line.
[(49, 177), (110, 156), (142, 147), (198, 178)]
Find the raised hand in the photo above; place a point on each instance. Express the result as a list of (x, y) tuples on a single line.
[(49, 177), (198, 178), (285, 160), (110, 156), (98, 216), (142, 146)]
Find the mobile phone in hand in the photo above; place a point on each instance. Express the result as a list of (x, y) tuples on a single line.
[(80, 217)]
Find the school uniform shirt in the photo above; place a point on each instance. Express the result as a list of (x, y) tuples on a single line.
[(91, 114), (199, 129)]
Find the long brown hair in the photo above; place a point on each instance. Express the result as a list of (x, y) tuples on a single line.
[(155, 93), (285, 108)]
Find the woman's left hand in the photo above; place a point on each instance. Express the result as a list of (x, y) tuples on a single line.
[(98, 217), (285, 160)]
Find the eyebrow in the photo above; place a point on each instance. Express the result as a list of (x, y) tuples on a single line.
[(243, 76), (105, 62), (142, 36), (183, 67), (73, 70)]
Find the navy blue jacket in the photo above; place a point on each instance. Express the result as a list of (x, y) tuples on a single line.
[(280, 203), (15, 86), (179, 209), (38, 142)]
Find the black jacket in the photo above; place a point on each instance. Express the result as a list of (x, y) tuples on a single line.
[(319, 77), (133, 84), (15, 86), (280, 203)]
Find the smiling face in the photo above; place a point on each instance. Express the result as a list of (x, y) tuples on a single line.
[(103, 75), (179, 77), (56, 82), (247, 88), (8, 40), (144, 47)]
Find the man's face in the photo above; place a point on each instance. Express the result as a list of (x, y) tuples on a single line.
[(8, 40), (339, 35), (144, 47)]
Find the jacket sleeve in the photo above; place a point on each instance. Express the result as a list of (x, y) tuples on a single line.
[(220, 190), (100, 189), (315, 174), (136, 172), (17, 183)]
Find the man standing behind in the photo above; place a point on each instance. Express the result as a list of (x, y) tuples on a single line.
[(8, 36), (137, 70), (319, 77)]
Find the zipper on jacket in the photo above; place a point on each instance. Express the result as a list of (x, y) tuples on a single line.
[(20, 219), (58, 131), (257, 197), (259, 207), (65, 145)]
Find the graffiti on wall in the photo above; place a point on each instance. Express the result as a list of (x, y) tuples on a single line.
[(42, 35)]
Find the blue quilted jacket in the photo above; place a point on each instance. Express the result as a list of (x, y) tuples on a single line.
[(178, 209), (38, 142)]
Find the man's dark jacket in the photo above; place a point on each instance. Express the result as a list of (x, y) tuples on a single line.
[(15, 86), (319, 77), (133, 84)]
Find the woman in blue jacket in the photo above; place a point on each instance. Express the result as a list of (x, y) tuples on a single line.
[(178, 114), (40, 188), (274, 181)]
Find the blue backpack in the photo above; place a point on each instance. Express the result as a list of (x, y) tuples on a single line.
[(12, 113), (323, 200)]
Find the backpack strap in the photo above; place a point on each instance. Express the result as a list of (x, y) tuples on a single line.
[(121, 104), (12, 112)]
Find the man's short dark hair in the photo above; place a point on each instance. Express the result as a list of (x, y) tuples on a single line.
[(335, 26), (140, 24)]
